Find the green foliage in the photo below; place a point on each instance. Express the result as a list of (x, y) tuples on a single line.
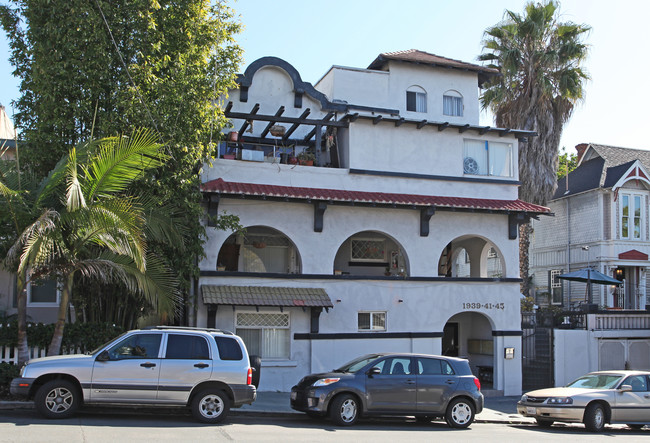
[(8, 372), (83, 336), (566, 163), (539, 59), (90, 69)]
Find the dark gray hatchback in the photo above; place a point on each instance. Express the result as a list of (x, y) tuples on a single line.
[(424, 386)]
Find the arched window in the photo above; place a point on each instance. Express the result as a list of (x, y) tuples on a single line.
[(416, 99), (452, 103)]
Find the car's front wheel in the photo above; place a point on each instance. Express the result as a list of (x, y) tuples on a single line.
[(594, 418), (544, 423), (344, 410), (57, 399), (460, 413), (210, 406)]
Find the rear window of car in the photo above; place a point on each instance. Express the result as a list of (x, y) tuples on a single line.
[(191, 347), (229, 348), (433, 366)]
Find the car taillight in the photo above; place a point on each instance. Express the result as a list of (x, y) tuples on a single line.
[(249, 377), (477, 382)]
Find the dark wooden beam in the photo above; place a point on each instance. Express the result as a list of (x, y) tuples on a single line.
[(266, 130), (484, 130), (443, 126), (425, 216), (282, 119), (293, 127), (422, 124), (463, 128), (249, 121), (399, 122), (376, 119), (319, 211), (311, 133), (228, 108), (514, 220), (352, 117), (504, 132)]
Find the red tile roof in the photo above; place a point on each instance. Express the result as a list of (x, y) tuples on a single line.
[(336, 195), (416, 56)]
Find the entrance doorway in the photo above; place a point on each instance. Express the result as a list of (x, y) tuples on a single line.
[(450, 340)]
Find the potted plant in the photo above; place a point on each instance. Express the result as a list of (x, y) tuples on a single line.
[(306, 158)]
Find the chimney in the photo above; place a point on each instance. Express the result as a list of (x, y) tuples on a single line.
[(581, 148)]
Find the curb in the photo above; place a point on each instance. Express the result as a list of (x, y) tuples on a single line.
[(22, 405)]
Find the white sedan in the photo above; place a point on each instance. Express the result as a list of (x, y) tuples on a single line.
[(594, 399)]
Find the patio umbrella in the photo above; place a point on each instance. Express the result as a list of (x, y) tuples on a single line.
[(590, 276)]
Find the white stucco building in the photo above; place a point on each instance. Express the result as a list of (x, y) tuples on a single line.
[(401, 237)]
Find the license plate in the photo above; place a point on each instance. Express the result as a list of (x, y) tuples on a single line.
[(293, 395), (531, 411)]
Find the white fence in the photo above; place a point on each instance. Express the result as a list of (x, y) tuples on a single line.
[(10, 354), (603, 322)]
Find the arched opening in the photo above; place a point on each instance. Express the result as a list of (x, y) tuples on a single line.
[(469, 335), (471, 256), (259, 249), (371, 253), (416, 99), (452, 103)]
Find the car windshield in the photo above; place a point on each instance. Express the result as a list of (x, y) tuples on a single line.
[(596, 381), (94, 351), (357, 363)]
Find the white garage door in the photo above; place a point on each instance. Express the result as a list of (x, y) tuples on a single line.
[(623, 354)]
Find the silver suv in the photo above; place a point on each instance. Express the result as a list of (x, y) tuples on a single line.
[(208, 370)]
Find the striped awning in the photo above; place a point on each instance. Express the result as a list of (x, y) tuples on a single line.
[(265, 296)]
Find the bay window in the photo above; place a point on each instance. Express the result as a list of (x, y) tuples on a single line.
[(631, 216)]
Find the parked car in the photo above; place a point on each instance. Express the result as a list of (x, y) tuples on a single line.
[(425, 386), (208, 370), (594, 399)]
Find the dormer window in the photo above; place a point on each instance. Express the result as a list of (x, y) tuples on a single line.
[(631, 216), (416, 99), (452, 104)]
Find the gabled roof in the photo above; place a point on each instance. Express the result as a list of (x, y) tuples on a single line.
[(604, 166), (294, 193), (425, 58)]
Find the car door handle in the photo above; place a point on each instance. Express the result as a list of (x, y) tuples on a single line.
[(201, 365), (450, 382), (147, 365), (410, 382)]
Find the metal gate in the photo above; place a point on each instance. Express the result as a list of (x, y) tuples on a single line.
[(537, 350)]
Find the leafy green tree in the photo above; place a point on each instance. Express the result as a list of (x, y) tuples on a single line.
[(539, 59), (566, 163), (99, 230), (88, 69)]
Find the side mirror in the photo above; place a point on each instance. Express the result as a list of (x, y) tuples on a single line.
[(625, 388), (374, 371), (103, 356)]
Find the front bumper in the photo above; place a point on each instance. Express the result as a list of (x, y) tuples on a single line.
[(555, 413), (309, 400), (20, 386)]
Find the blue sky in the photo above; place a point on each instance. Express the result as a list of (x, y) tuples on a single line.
[(313, 36)]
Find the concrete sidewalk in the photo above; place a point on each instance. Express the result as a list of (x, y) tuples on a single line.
[(496, 410)]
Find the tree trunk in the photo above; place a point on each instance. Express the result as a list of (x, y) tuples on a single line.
[(21, 289), (57, 337), (524, 266)]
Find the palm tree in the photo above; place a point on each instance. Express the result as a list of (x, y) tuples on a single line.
[(541, 81), (100, 231)]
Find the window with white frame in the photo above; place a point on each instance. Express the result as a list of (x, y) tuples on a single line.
[(44, 292), (452, 104), (482, 157), (368, 249), (265, 334), (555, 286), (631, 216), (416, 99), (372, 321)]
